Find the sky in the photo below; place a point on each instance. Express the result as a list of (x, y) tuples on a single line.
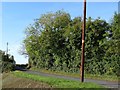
[(16, 16)]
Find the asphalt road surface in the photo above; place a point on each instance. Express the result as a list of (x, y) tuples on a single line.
[(104, 83)]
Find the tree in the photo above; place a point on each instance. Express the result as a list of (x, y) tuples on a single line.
[(96, 33), (54, 42), (113, 47)]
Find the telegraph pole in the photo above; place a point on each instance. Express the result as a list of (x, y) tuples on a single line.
[(83, 43), (7, 48)]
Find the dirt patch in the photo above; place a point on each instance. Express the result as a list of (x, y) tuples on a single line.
[(10, 81)]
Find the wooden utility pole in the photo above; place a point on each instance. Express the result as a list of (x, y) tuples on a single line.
[(83, 44), (7, 48)]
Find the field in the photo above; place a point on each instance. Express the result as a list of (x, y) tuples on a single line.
[(11, 81)]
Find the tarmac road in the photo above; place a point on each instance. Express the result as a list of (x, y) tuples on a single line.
[(104, 83)]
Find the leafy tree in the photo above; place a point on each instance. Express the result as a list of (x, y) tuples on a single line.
[(54, 42), (113, 47), (96, 33)]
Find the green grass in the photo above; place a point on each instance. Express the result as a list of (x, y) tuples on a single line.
[(57, 82), (91, 76)]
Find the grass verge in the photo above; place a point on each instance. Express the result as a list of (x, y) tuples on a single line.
[(90, 76), (57, 82)]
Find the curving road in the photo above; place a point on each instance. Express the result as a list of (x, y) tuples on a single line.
[(107, 84)]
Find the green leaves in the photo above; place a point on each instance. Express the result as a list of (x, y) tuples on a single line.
[(54, 42), (7, 62)]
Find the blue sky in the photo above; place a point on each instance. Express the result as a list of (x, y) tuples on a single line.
[(17, 16)]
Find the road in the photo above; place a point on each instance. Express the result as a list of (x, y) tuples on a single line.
[(107, 84)]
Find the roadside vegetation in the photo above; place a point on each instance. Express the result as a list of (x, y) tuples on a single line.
[(53, 43), (7, 62), (57, 82), (90, 76)]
